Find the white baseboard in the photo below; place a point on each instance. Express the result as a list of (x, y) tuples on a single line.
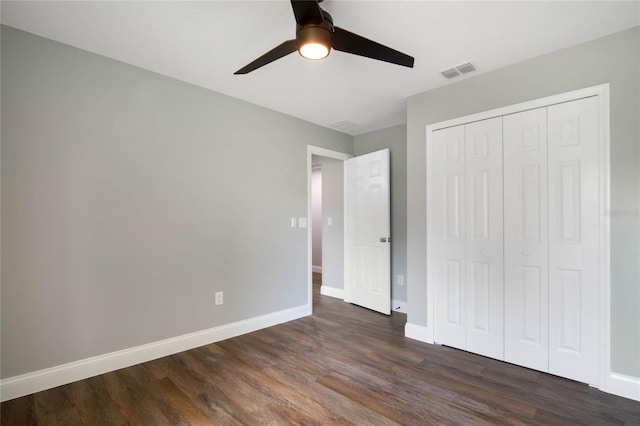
[(399, 306), (623, 385), (338, 293), (317, 269), (25, 384), (418, 332)]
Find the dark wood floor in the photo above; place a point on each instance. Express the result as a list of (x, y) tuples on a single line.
[(343, 365)]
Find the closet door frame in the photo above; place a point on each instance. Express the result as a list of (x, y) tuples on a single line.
[(602, 93)]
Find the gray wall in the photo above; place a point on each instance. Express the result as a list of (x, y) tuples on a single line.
[(316, 216), (394, 138), (613, 59), (333, 236), (128, 198)]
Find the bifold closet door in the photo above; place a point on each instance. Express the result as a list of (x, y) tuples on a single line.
[(574, 240), (516, 213), (484, 256), (449, 229), (467, 200), (526, 239)]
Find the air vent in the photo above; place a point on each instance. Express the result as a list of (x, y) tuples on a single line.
[(344, 126), (465, 68), (458, 70), (450, 73)]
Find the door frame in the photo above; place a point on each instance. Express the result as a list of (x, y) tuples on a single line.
[(322, 152), (602, 92)]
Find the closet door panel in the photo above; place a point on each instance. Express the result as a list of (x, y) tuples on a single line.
[(573, 240), (484, 255), (449, 225), (526, 239)]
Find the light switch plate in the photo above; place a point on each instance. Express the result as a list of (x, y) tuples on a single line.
[(329, 221), (302, 222), (293, 222)]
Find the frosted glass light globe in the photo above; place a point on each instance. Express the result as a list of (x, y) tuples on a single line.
[(314, 51)]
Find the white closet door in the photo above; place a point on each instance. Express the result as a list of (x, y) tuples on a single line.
[(573, 240), (526, 239), (448, 199), (484, 256)]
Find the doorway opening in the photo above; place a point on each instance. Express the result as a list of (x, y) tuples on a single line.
[(325, 209)]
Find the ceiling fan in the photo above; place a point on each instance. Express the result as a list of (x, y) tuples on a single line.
[(316, 36)]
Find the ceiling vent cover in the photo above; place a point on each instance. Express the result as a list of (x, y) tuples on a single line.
[(450, 73), (344, 126), (458, 70), (465, 68)]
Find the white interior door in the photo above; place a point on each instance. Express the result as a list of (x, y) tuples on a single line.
[(573, 240), (484, 255), (466, 177), (449, 224), (368, 231), (526, 249)]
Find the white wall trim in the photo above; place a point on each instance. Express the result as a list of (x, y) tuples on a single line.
[(418, 332), (598, 90), (623, 385), (338, 293), (605, 242), (316, 269), (399, 306), (25, 384), (323, 152)]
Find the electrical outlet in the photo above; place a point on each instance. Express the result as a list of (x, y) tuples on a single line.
[(400, 280), (219, 300)]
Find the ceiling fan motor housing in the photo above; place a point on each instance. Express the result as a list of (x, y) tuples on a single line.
[(314, 34)]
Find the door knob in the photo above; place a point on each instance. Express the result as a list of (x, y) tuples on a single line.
[(383, 240)]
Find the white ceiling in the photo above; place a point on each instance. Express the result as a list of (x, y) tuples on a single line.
[(204, 42)]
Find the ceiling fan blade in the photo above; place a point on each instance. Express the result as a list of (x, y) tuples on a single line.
[(277, 52), (349, 42), (306, 11)]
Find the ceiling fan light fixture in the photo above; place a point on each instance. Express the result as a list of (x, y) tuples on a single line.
[(314, 51), (314, 42)]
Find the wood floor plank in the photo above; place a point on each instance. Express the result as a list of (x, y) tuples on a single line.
[(351, 411), (382, 403), (19, 411), (342, 365), (174, 404), (67, 416)]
